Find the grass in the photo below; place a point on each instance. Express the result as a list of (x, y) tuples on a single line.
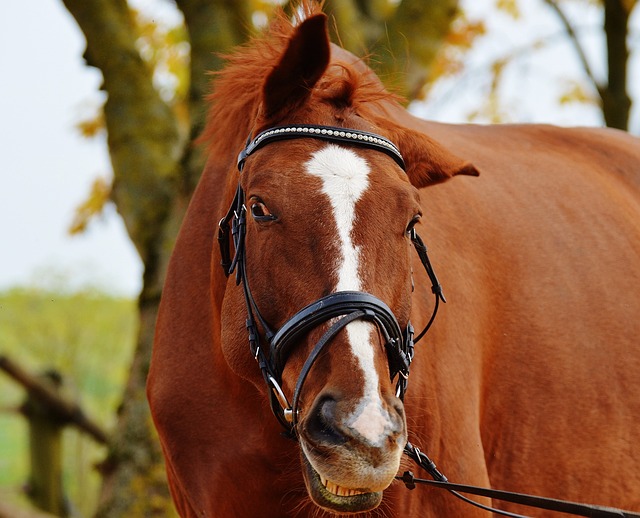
[(88, 337)]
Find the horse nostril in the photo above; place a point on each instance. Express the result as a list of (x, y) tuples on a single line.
[(399, 426), (398, 413), (320, 424)]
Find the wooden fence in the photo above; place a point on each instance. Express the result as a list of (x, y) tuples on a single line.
[(48, 412)]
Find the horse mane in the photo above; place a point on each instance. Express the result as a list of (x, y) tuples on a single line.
[(234, 103)]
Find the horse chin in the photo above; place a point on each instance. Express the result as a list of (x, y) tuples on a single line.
[(334, 498)]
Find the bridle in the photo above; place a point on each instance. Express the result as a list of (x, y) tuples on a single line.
[(340, 308)]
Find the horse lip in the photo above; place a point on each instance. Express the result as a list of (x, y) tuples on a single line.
[(324, 498)]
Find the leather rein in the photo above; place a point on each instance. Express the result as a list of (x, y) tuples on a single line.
[(342, 308)]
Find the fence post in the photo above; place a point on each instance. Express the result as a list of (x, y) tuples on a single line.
[(48, 412), (45, 436)]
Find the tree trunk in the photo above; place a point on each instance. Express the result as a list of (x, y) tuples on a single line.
[(144, 147), (155, 172), (616, 103)]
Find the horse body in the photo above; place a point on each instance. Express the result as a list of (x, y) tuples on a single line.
[(545, 293), (528, 379)]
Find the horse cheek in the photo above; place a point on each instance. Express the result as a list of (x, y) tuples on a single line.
[(233, 336)]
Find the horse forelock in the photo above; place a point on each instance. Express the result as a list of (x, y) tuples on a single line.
[(235, 99)]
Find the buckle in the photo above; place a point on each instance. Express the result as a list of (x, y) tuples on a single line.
[(282, 399)]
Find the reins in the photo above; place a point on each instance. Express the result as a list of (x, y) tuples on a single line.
[(538, 502), (340, 309)]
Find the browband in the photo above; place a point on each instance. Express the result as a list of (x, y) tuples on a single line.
[(330, 133)]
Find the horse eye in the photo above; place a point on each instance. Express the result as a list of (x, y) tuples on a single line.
[(260, 212), (414, 221)]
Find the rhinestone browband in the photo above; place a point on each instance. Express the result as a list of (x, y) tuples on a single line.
[(330, 133)]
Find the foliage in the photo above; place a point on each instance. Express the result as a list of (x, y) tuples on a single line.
[(450, 61), (165, 48), (90, 127), (91, 206), (575, 92), (510, 7), (609, 92), (88, 337), (493, 109)]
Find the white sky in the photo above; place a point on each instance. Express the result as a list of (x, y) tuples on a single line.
[(46, 168)]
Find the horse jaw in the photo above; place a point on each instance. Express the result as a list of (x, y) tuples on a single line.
[(334, 498)]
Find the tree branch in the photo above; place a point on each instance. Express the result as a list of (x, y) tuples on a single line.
[(614, 98), (573, 38), (64, 410)]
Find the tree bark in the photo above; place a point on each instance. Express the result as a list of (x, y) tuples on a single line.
[(145, 149)]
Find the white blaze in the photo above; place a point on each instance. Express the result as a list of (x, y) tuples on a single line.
[(345, 177)]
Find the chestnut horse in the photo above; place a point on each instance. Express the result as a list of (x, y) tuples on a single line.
[(529, 379)]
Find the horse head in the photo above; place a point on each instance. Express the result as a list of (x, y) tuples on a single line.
[(321, 273)]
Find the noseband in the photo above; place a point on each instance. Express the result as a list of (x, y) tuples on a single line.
[(338, 309)]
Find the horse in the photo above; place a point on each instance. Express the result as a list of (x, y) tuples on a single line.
[(287, 376)]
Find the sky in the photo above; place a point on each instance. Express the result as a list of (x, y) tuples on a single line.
[(47, 168)]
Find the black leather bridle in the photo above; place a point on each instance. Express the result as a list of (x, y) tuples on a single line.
[(341, 308)]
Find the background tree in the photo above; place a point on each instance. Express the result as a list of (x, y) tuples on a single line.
[(607, 89), (156, 167), (613, 95)]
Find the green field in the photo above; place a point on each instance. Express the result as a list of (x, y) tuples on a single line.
[(88, 338)]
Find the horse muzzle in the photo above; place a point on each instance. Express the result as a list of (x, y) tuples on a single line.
[(347, 464)]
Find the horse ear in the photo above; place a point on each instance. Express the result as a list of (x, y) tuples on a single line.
[(427, 161), (302, 64)]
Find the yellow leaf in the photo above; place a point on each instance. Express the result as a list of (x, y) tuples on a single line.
[(509, 7), (450, 58), (165, 49), (464, 33), (576, 93), (91, 127), (92, 206)]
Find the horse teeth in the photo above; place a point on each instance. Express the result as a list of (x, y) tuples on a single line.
[(339, 490)]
